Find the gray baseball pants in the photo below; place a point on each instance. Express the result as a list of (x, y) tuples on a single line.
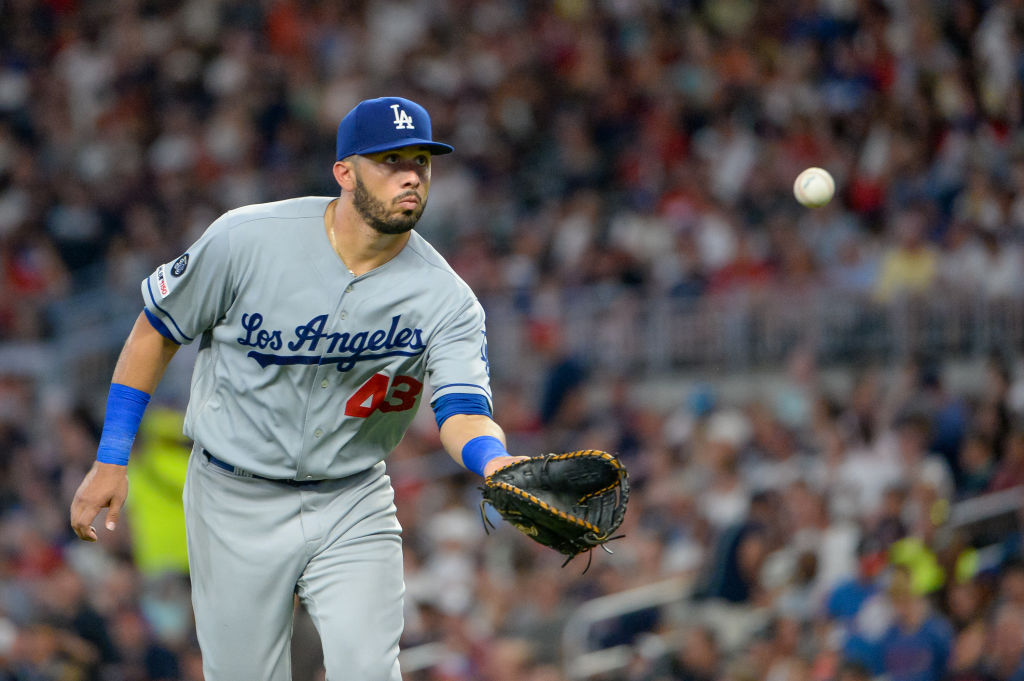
[(253, 544)]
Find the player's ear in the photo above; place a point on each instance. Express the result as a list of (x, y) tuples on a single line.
[(345, 174)]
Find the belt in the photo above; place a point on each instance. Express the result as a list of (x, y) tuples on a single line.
[(235, 470)]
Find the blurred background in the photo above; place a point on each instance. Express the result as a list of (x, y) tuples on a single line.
[(821, 410)]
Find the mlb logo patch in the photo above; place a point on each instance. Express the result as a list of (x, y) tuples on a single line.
[(161, 283)]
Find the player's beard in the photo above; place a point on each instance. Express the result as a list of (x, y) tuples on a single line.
[(375, 213)]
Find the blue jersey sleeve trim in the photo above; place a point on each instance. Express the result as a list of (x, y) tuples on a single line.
[(457, 385), (149, 285), (160, 327), (448, 406)]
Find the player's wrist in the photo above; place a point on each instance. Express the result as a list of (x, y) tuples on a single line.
[(480, 451), (125, 407), (499, 462), (104, 467)]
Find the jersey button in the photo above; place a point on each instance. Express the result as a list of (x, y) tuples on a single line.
[(348, 289), (323, 383), (344, 315), (317, 432)]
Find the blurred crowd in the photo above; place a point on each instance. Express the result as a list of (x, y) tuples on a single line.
[(647, 145)]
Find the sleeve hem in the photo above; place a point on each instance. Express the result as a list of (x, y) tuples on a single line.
[(177, 334), (159, 326)]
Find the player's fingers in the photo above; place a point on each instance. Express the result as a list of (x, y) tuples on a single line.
[(85, 532), (81, 516), (114, 512)]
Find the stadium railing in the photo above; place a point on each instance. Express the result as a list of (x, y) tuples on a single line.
[(621, 330)]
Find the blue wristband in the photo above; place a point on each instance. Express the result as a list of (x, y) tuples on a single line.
[(125, 406), (478, 451)]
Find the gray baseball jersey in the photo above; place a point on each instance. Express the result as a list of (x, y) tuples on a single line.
[(305, 371)]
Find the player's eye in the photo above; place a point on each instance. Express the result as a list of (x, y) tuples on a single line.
[(422, 160), (391, 158)]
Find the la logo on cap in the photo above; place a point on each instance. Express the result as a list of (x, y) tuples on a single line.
[(403, 121)]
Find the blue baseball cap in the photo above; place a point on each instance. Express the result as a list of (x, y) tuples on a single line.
[(386, 123)]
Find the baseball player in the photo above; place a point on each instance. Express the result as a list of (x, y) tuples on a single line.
[(319, 321)]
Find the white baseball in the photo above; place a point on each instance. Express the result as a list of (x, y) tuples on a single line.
[(814, 187)]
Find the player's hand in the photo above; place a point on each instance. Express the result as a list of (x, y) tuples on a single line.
[(500, 462), (104, 486)]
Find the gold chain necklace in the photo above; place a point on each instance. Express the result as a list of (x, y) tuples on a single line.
[(334, 244)]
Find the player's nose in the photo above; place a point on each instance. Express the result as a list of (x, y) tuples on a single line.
[(411, 178), (411, 173)]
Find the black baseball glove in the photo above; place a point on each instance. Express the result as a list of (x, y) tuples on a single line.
[(571, 502)]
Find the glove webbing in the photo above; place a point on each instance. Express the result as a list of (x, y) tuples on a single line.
[(602, 491)]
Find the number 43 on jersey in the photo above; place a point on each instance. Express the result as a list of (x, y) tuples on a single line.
[(382, 393)]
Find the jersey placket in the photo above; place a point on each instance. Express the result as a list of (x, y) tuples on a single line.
[(320, 397)]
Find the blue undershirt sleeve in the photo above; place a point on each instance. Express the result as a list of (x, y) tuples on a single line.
[(451, 404), (155, 322)]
